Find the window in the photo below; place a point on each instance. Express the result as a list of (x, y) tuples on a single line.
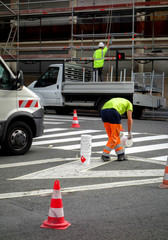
[(48, 78), (4, 78)]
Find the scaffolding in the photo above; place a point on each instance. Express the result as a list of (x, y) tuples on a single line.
[(80, 42)]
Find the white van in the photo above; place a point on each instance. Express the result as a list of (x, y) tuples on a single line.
[(21, 113)]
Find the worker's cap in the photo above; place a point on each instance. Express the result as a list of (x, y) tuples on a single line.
[(101, 44)]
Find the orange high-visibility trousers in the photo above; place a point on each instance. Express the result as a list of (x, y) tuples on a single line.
[(113, 132)]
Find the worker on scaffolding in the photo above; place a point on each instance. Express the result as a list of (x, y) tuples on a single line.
[(98, 56)]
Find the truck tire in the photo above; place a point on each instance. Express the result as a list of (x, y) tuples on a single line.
[(18, 139)]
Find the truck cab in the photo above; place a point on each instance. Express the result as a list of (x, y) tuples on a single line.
[(49, 86), (21, 113)]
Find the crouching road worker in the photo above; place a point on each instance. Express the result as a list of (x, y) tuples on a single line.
[(111, 117), (98, 56)]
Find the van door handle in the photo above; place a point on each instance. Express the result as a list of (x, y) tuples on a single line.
[(57, 86)]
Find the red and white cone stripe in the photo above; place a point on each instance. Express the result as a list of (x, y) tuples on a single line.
[(75, 118), (56, 213), (165, 178), (75, 123)]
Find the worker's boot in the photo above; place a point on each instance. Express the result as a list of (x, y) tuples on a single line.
[(105, 158), (121, 157)]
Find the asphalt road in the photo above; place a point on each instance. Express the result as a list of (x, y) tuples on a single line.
[(114, 200)]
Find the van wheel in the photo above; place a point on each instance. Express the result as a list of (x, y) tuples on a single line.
[(18, 139)]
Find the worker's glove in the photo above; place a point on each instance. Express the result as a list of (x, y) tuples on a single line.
[(130, 135), (111, 40)]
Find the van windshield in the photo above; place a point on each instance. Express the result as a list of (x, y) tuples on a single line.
[(4, 78)]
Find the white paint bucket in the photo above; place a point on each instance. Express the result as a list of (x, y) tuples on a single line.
[(126, 142), (86, 149)]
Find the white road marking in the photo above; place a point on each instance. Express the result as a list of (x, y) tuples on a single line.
[(71, 117), (148, 160), (35, 162), (68, 140), (61, 135), (51, 160), (43, 192), (57, 116), (55, 129), (76, 169), (147, 148), (150, 138), (103, 143), (153, 147), (130, 150), (71, 133), (53, 123), (161, 158), (56, 119)]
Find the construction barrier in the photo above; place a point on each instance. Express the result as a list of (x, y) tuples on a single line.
[(75, 123), (165, 178), (56, 213)]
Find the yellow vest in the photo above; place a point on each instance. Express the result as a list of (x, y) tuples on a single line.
[(122, 105), (98, 56)]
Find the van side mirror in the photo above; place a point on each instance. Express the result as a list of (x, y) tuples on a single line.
[(19, 80)]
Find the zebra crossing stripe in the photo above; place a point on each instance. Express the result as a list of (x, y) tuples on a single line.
[(55, 141), (71, 139), (147, 148), (150, 138), (128, 150), (100, 143), (56, 119), (54, 129), (53, 123), (70, 133), (67, 134), (68, 139), (70, 117)]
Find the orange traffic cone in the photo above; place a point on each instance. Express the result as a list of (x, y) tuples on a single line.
[(165, 178), (56, 213), (75, 123)]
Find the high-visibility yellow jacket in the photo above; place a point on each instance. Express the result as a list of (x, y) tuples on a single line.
[(98, 56), (122, 105)]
